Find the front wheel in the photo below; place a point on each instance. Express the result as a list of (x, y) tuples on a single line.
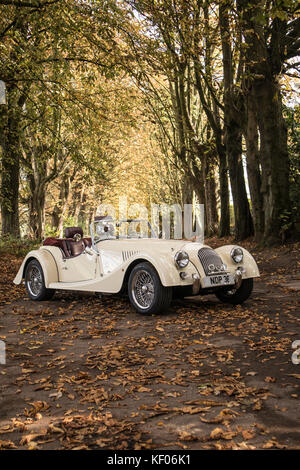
[(35, 282), (236, 296), (146, 292)]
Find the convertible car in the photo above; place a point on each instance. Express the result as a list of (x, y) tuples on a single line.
[(121, 258)]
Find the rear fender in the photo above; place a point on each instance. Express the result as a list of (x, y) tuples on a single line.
[(46, 260)]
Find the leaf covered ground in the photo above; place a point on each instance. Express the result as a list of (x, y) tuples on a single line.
[(89, 373)]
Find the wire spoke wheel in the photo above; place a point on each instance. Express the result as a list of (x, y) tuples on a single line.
[(34, 281), (143, 289), (230, 292), (146, 292)]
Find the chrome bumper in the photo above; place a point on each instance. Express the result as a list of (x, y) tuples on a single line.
[(196, 284), (233, 279)]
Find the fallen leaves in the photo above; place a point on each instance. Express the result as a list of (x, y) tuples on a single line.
[(224, 417), (273, 444), (29, 438), (187, 436), (7, 445), (270, 379), (56, 395), (37, 406), (159, 328), (219, 433), (248, 434), (143, 389)]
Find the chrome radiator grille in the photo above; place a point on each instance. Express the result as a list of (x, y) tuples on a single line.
[(210, 261)]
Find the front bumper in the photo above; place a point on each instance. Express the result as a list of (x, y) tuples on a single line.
[(217, 280), (196, 284)]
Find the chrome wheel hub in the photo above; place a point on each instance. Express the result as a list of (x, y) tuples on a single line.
[(231, 292), (142, 289), (34, 281)]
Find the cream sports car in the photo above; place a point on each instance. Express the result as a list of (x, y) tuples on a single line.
[(120, 257)]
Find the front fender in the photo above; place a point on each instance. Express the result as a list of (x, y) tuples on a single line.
[(248, 263), (167, 270), (46, 260)]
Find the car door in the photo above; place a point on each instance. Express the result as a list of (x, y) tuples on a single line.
[(78, 268), (110, 261)]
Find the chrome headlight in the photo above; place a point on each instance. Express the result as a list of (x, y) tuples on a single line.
[(237, 254), (181, 259)]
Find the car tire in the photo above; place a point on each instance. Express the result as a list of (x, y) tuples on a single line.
[(35, 282), (146, 292), (236, 296)]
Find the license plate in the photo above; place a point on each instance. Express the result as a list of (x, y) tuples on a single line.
[(218, 280)]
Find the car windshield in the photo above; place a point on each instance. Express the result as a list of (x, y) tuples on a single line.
[(110, 229)]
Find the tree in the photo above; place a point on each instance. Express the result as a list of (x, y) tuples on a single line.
[(41, 41), (234, 109), (271, 40)]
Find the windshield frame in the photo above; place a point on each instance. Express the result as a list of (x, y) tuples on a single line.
[(119, 221)]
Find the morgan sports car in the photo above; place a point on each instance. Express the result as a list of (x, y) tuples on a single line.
[(119, 257)]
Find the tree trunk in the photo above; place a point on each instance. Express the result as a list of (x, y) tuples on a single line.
[(224, 227), (78, 206), (187, 189), (233, 120), (242, 216), (210, 194), (36, 178), (274, 159), (265, 53), (10, 142), (81, 213), (37, 213), (64, 205), (91, 216), (55, 217), (65, 192), (213, 203), (214, 121), (253, 170)]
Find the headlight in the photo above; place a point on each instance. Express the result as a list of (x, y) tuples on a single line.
[(237, 255), (181, 259)]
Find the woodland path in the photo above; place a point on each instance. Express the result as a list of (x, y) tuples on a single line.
[(91, 373)]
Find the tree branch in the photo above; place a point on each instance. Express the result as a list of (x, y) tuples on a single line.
[(32, 4)]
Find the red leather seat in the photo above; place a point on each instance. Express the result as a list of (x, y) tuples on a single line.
[(75, 247), (68, 245), (60, 243), (71, 231)]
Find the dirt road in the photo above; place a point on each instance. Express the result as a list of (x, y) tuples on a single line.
[(90, 373)]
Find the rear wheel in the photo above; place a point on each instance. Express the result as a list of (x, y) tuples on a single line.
[(236, 296), (35, 282), (146, 292)]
